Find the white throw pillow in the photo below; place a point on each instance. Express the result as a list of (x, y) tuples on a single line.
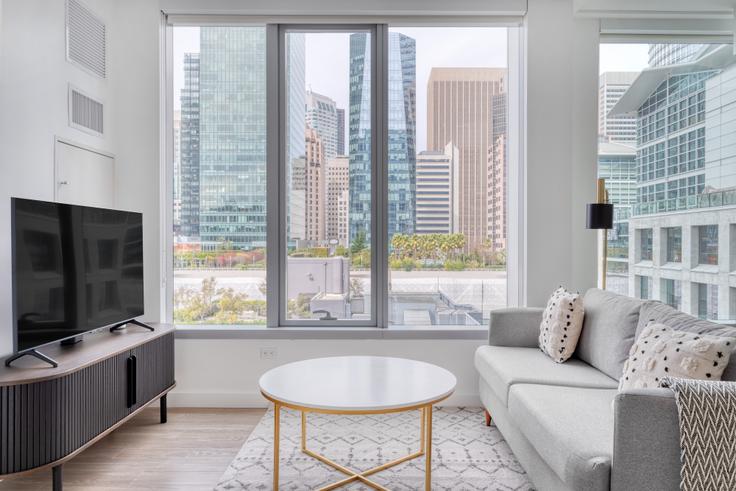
[(660, 352), (561, 324)]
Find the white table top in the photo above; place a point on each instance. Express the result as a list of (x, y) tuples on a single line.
[(357, 383)]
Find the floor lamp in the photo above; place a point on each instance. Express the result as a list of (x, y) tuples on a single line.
[(599, 216)]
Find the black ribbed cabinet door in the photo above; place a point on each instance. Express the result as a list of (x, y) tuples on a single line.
[(155, 368), (44, 421)]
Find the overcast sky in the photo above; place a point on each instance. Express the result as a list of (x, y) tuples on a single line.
[(327, 59)]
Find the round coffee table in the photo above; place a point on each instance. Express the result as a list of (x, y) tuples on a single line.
[(357, 385)]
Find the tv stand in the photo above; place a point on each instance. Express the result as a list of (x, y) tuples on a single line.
[(49, 415), (34, 353), (121, 325)]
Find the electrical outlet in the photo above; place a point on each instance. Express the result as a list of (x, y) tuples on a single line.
[(268, 353)]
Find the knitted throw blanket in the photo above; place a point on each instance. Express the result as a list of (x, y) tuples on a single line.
[(707, 413)]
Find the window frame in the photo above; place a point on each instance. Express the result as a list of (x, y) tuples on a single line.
[(276, 307)]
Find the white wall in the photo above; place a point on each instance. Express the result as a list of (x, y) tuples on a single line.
[(34, 78), (225, 373), (561, 131), (561, 119)]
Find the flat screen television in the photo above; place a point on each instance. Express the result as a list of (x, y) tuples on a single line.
[(75, 269)]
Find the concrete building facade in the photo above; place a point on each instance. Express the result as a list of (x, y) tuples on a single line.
[(337, 178), (460, 110), (321, 115), (437, 191), (619, 128), (315, 187)]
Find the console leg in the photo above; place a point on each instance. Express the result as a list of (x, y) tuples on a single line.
[(162, 407), (56, 478), (488, 417)]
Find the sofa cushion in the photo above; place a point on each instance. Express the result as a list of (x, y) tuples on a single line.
[(661, 313), (502, 367), (660, 351), (571, 428), (609, 330), (561, 324)]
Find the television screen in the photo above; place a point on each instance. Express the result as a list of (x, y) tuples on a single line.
[(75, 269)]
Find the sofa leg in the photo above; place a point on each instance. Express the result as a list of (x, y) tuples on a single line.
[(488, 417)]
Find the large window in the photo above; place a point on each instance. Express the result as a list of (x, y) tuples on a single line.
[(646, 244), (707, 300), (447, 174), (672, 293), (667, 151), (370, 217), (708, 244), (219, 169), (673, 235)]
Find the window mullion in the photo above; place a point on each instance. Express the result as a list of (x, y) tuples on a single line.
[(274, 83), (380, 189)]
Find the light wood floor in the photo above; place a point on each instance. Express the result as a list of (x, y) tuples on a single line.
[(189, 452)]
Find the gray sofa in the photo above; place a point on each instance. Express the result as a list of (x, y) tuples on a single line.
[(566, 423)]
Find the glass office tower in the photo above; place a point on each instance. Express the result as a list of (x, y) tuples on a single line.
[(401, 134)]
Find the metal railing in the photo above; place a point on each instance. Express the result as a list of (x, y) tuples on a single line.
[(706, 200)]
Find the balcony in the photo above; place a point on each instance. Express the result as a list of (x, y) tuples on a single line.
[(711, 199)]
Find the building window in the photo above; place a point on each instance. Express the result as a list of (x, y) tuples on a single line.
[(318, 188), (645, 287), (672, 293), (708, 244), (646, 244), (219, 195), (447, 171), (329, 196), (707, 301), (674, 244)]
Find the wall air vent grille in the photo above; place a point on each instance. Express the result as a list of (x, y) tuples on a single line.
[(85, 113), (86, 38)]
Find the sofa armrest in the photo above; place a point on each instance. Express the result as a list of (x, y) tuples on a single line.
[(646, 441), (515, 327)]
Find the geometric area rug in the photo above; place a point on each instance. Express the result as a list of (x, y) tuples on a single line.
[(466, 454)]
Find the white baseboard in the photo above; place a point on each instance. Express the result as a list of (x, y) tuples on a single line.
[(178, 398)]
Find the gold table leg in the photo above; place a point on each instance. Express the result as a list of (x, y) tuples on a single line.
[(276, 431), (425, 446), (428, 456)]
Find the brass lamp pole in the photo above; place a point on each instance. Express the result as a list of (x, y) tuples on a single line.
[(599, 216)]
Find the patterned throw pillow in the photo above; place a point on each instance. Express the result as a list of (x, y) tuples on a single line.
[(562, 322), (660, 352)]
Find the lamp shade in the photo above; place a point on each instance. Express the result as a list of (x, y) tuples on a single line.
[(599, 216)]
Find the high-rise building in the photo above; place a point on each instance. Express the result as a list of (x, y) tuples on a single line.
[(315, 187), (233, 137), (460, 110), (337, 182), (436, 191), (620, 128), (497, 193), (298, 200), (617, 165), (681, 229), (189, 148), (663, 54), (176, 130), (295, 108), (340, 131), (232, 153), (321, 114), (498, 173), (401, 134)]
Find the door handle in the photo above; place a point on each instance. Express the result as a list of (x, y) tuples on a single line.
[(132, 368)]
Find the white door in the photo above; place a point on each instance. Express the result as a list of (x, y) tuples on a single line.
[(83, 176)]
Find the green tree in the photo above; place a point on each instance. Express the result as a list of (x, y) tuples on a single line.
[(359, 244)]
